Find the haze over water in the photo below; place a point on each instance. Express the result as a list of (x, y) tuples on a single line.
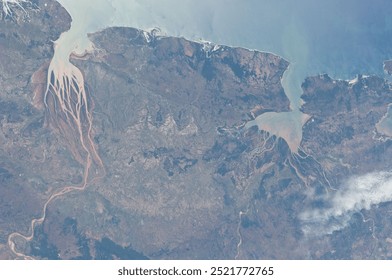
[(341, 38)]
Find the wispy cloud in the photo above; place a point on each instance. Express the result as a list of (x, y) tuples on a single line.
[(356, 194)]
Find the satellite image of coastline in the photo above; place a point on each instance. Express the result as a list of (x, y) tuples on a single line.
[(174, 130)]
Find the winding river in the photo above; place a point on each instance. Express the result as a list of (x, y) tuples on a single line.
[(342, 39)]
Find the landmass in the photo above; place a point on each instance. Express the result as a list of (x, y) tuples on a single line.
[(388, 66), (184, 178)]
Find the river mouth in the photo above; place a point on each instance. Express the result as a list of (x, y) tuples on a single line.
[(286, 125), (335, 37)]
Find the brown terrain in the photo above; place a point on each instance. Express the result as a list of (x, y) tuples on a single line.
[(182, 177)]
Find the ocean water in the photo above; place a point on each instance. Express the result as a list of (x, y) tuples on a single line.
[(341, 38)]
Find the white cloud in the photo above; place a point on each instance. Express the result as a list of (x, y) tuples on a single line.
[(358, 193)]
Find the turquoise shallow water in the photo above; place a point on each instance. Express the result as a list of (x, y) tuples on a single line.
[(341, 38)]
